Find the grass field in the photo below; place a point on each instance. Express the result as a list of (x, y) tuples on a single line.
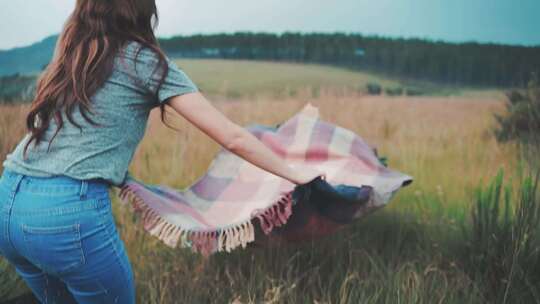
[(253, 80), (412, 251)]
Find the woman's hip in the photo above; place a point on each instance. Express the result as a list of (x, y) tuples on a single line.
[(38, 215), (67, 238), (76, 241)]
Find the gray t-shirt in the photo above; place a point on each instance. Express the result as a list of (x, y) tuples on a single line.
[(122, 106)]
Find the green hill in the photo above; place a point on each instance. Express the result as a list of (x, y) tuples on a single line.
[(235, 79)]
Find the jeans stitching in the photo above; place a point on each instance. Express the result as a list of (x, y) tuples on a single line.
[(79, 243), (46, 288), (127, 274), (12, 191), (49, 230), (5, 223), (29, 230), (89, 204)]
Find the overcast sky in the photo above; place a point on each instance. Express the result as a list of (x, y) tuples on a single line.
[(23, 22)]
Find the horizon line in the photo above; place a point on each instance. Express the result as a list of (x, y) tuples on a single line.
[(349, 33)]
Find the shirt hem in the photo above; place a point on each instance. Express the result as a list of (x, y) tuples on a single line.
[(38, 173)]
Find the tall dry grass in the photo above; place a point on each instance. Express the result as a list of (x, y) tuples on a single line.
[(11, 127), (444, 142), (398, 255), (409, 252)]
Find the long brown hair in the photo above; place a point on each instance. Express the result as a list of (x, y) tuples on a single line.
[(84, 57)]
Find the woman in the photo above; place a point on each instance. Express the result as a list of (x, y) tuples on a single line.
[(89, 115)]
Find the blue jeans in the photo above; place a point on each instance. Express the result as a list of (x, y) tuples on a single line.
[(60, 235)]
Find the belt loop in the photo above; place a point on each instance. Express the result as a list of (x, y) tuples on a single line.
[(84, 188)]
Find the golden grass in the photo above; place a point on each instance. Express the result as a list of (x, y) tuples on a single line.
[(11, 127), (445, 143), (441, 141), (243, 79), (255, 79)]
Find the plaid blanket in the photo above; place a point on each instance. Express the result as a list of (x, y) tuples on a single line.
[(236, 202)]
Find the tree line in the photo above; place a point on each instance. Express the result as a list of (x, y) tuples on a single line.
[(15, 88), (452, 63)]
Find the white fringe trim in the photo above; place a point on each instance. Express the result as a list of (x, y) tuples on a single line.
[(209, 241)]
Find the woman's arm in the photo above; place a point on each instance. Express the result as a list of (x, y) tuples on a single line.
[(201, 113)]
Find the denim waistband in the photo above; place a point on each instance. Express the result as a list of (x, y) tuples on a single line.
[(54, 185)]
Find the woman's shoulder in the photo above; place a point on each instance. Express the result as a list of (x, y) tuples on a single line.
[(137, 50), (137, 61), (135, 57)]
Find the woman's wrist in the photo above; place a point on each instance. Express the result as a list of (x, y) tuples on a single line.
[(294, 176), (300, 176)]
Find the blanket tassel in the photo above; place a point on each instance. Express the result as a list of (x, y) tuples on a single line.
[(206, 242)]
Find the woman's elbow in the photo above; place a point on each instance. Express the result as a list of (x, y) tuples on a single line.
[(236, 140)]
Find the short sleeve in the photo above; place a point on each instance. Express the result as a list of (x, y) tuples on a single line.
[(149, 73), (175, 83)]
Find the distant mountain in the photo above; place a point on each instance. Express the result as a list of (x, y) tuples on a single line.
[(27, 60)]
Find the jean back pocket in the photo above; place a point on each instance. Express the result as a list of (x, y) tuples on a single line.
[(55, 249)]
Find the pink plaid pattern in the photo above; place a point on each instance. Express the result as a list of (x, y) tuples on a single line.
[(217, 212)]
